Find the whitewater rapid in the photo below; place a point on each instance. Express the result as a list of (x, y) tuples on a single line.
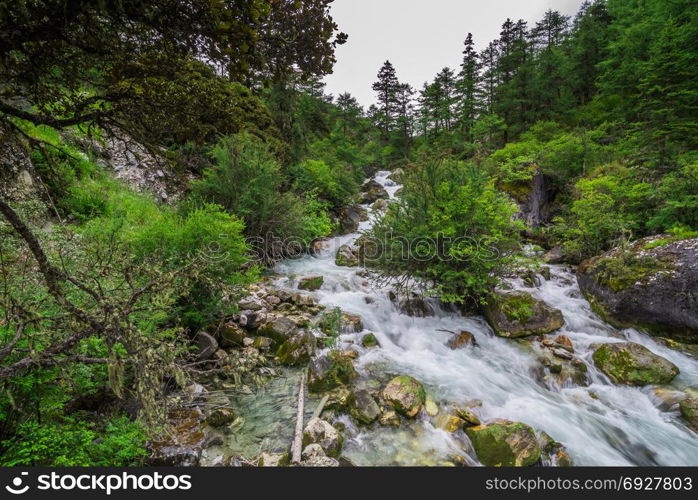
[(599, 424)]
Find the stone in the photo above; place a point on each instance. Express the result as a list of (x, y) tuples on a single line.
[(389, 418), (313, 450), (449, 422), (380, 205), (279, 329), (504, 443), (330, 370), (461, 339), (346, 256), (220, 417), (651, 284), (633, 364), (689, 411), (365, 410), (263, 343), (430, 407), (555, 255), (369, 340), (372, 191), (207, 346), (340, 398), (564, 342), (517, 314), (405, 394), (322, 433), (350, 217), (319, 245), (468, 416), (320, 462), (274, 460), (251, 303), (232, 335), (297, 350), (352, 323), (545, 272), (311, 283)]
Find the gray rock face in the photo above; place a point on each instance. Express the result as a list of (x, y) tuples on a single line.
[(350, 217), (650, 285), (322, 433), (366, 410)]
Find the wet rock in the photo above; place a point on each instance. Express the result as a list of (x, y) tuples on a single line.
[(405, 394), (468, 416), (207, 346), (341, 399), (320, 462), (279, 329), (297, 350), (415, 305), (372, 191), (564, 342), (689, 411), (319, 245), (232, 335), (556, 454), (302, 300), (380, 205), (311, 283), (556, 255), (369, 340), (313, 450), (347, 256), (274, 460), (389, 418), (252, 319), (545, 272), (251, 303), (330, 370), (430, 407), (505, 443), (365, 410), (633, 364), (350, 217), (352, 323), (322, 433), (518, 314), (183, 446), (461, 339), (220, 417), (449, 422), (652, 285)]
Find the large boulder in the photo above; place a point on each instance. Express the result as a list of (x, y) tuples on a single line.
[(347, 256), (633, 364), (518, 314), (330, 370), (689, 411), (297, 350), (372, 191), (232, 335), (365, 410), (504, 443), (350, 217), (311, 283), (652, 284), (405, 394), (279, 329), (322, 433)]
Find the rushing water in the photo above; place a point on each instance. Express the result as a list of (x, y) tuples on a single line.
[(600, 424)]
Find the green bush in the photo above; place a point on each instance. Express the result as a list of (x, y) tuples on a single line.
[(451, 228)]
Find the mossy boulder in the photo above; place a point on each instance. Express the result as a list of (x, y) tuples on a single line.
[(633, 364), (311, 283), (329, 371), (347, 256), (651, 284), (405, 394), (689, 411), (372, 191), (505, 443), (322, 433), (369, 340), (515, 314), (297, 350), (365, 410), (279, 329)]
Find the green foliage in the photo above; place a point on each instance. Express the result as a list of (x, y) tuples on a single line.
[(248, 181), (72, 443), (451, 227)]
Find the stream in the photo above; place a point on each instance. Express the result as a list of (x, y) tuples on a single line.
[(599, 423)]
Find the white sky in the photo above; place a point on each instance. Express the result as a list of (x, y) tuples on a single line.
[(419, 36)]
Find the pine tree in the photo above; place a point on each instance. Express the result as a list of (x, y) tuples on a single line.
[(468, 88), (387, 88)]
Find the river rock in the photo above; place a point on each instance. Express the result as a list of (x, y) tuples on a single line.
[(340, 398), (461, 339), (232, 335), (689, 411), (274, 460), (405, 394), (279, 329), (207, 346), (449, 422), (330, 370), (319, 245), (322, 433), (505, 443), (351, 323), (555, 255), (369, 340), (320, 462), (184, 445), (389, 418), (313, 450), (372, 191), (297, 350), (633, 364), (380, 205), (346, 256), (468, 416), (350, 217), (365, 410), (651, 285), (517, 314), (251, 303), (311, 283), (220, 417), (414, 305)]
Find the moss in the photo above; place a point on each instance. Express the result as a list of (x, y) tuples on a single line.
[(369, 340), (311, 283), (620, 363), (517, 307), (505, 444)]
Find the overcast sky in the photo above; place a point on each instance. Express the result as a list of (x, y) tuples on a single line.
[(419, 36)]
